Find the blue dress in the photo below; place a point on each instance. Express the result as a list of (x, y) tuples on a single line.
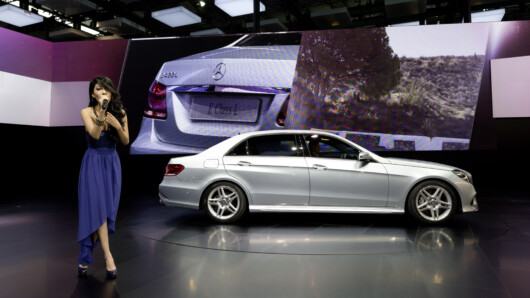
[(98, 191)]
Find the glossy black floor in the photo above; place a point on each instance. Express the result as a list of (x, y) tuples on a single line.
[(169, 252)]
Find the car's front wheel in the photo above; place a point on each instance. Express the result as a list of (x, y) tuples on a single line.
[(432, 202), (224, 202)]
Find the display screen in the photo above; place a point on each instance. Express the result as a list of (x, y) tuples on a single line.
[(405, 88), (413, 88), (398, 88)]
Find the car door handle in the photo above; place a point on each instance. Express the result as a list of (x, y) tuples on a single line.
[(244, 163), (320, 167)]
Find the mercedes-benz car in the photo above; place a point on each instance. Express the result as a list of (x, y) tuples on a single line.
[(312, 171), (198, 101)]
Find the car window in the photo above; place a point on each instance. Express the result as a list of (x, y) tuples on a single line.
[(275, 145), (240, 149), (328, 147)]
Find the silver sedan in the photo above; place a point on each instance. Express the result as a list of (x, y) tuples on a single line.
[(312, 171)]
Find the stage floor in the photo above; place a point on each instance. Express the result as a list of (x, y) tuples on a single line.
[(169, 252)]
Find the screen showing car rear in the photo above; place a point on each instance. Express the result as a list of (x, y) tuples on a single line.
[(387, 89)]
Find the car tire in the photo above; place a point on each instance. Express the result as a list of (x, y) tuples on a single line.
[(224, 202), (432, 202)]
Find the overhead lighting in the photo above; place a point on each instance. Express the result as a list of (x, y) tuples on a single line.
[(44, 13), (213, 31), (89, 30), (176, 16), (17, 16), (68, 34), (415, 23), (15, 3), (238, 7), (33, 8), (109, 37), (202, 3), (332, 17), (495, 15), (270, 25), (120, 26)]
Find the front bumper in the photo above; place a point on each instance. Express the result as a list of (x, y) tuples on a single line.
[(472, 207), (468, 197)]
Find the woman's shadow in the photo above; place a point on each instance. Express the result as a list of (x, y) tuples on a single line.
[(90, 286)]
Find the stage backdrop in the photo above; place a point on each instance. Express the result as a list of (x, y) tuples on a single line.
[(46, 84), (404, 88)]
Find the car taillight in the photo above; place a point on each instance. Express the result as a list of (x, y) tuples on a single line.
[(156, 101), (173, 170), (280, 120)]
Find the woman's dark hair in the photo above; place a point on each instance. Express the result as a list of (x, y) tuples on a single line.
[(115, 107)]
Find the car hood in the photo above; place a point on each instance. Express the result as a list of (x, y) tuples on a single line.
[(419, 164), (270, 66)]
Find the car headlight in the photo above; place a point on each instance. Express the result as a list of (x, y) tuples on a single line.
[(463, 175)]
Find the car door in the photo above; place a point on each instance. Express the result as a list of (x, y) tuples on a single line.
[(338, 178), (272, 168)]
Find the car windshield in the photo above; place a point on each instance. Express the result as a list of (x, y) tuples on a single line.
[(282, 39)]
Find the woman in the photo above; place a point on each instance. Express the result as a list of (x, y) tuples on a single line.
[(100, 176)]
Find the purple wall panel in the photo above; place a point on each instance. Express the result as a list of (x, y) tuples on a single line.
[(83, 60), (25, 55), (67, 65), (58, 62)]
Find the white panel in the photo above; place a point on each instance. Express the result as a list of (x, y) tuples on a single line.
[(176, 16), (18, 17), (495, 15), (510, 86), (67, 101), (238, 7), (24, 100)]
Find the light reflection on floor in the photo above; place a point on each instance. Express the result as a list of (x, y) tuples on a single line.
[(304, 234), (170, 252)]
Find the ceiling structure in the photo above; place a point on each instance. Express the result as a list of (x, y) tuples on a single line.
[(133, 18)]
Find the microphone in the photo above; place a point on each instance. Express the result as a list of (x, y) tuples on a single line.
[(105, 104)]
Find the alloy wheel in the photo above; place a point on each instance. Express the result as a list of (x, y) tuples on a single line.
[(433, 203), (224, 202)]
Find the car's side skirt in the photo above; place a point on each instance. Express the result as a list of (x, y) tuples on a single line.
[(323, 209)]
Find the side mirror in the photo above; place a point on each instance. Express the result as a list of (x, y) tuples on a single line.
[(363, 156)]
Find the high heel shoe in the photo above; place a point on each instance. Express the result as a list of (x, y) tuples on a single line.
[(112, 274), (82, 272)]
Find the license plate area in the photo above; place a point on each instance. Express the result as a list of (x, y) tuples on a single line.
[(224, 108)]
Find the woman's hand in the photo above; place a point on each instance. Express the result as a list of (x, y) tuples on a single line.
[(111, 120)]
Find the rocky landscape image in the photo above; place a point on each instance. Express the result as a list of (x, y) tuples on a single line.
[(359, 84)]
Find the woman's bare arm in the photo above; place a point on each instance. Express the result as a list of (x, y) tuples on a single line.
[(93, 130)]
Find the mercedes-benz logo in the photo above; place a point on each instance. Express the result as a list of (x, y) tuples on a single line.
[(219, 71)]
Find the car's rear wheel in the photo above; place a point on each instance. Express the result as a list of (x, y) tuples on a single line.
[(224, 202), (432, 202)]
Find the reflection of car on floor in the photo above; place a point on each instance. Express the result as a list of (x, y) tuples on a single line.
[(334, 235), (198, 101), (312, 171)]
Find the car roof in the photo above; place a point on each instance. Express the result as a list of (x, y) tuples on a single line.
[(231, 142), (226, 145), (286, 131)]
